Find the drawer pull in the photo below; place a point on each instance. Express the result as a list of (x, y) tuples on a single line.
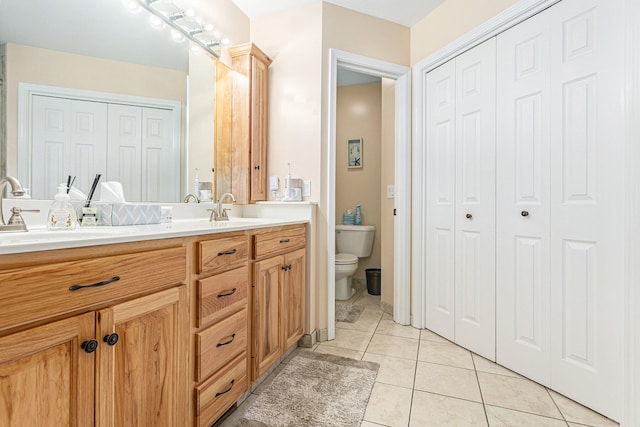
[(285, 241), (94, 285), (231, 252), (221, 344), (220, 393), (228, 294)]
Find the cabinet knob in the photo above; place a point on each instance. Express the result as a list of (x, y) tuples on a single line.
[(257, 167), (469, 216), (111, 339), (89, 346), (524, 213)]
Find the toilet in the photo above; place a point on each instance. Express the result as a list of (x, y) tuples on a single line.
[(352, 242)]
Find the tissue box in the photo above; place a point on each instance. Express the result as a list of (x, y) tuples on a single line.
[(113, 214)]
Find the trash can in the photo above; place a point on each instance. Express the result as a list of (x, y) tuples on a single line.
[(374, 279)]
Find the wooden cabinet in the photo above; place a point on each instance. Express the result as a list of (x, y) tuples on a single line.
[(279, 282), (138, 377), (45, 377), (221, 330), (248, 124), (61, 362)]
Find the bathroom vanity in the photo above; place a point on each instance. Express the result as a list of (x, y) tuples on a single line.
[(148, 325)]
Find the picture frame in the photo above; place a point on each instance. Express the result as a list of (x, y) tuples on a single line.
[(354, 153)]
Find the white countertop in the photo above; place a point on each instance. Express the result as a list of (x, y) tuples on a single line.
[(39, 239)]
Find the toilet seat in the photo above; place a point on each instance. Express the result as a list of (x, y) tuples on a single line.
[(346, 259)]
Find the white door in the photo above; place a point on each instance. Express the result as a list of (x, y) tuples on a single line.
[(160, 165), (523, 214), (475, 199), (125, 148), (440, 198), (68, 138), (587, 203)]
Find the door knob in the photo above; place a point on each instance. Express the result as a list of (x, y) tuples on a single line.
[(524, 213), (89, 346), (469, 216), (111, 339)]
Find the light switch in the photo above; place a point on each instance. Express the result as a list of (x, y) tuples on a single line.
[(306, 188), (391, 191)]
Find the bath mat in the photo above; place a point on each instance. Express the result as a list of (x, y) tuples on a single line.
[(348, 312), (315, 390)]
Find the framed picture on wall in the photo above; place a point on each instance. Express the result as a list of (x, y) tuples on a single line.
[(354, 153)]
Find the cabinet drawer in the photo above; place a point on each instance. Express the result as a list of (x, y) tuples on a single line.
[(222, 254), (217, 345), (38, 292), (215, 396), (279, 241), (222, 294)]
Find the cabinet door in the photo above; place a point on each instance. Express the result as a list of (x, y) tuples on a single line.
[(522, 176), (267, 345), (293, 298), (142, 379), (440, 198), (259, 72), (475, 211), (45, 377)]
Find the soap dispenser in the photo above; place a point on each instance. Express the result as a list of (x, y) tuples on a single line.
[(61, 216)]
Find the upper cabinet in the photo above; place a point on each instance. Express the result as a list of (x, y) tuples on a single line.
[(242, 156)]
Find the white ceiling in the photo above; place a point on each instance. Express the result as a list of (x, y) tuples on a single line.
[(403, 12)]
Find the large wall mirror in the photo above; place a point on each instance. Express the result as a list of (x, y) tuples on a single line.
[(98, 47)]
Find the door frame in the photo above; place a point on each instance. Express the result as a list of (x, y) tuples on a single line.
[(519, 12), (402, 201)]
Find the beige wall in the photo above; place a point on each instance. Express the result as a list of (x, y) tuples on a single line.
[(293, 40), (298, 41), (450, 20), (388, 178), (364, 35), (358, 113), (47, 67)]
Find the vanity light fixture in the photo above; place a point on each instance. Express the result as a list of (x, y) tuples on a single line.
[(184, 24)]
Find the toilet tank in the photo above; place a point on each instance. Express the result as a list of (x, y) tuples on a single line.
[(355, 239)]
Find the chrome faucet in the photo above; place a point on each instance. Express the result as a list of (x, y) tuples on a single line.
[(191, 196), (219, 214), (16, 190)]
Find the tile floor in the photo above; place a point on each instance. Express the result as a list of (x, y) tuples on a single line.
[(425, 380)]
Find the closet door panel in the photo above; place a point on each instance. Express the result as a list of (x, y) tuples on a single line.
[(475, 199), (440, 198), (587, 229), (88, 150), (522, 191), (124, 148), (159, 165)]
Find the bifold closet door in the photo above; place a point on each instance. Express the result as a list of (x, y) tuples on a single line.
[(440, 185), (587, 203), (522, 192), (460, 183), (475, 200), (69, 137), (560, 198)]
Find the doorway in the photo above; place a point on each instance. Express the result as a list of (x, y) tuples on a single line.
[(402, 201)]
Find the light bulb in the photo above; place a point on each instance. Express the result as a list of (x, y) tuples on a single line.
[(177, 36), (225, 41), (190, 13), (132, 6), (209, 27), (196, 49), (156, 22)]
